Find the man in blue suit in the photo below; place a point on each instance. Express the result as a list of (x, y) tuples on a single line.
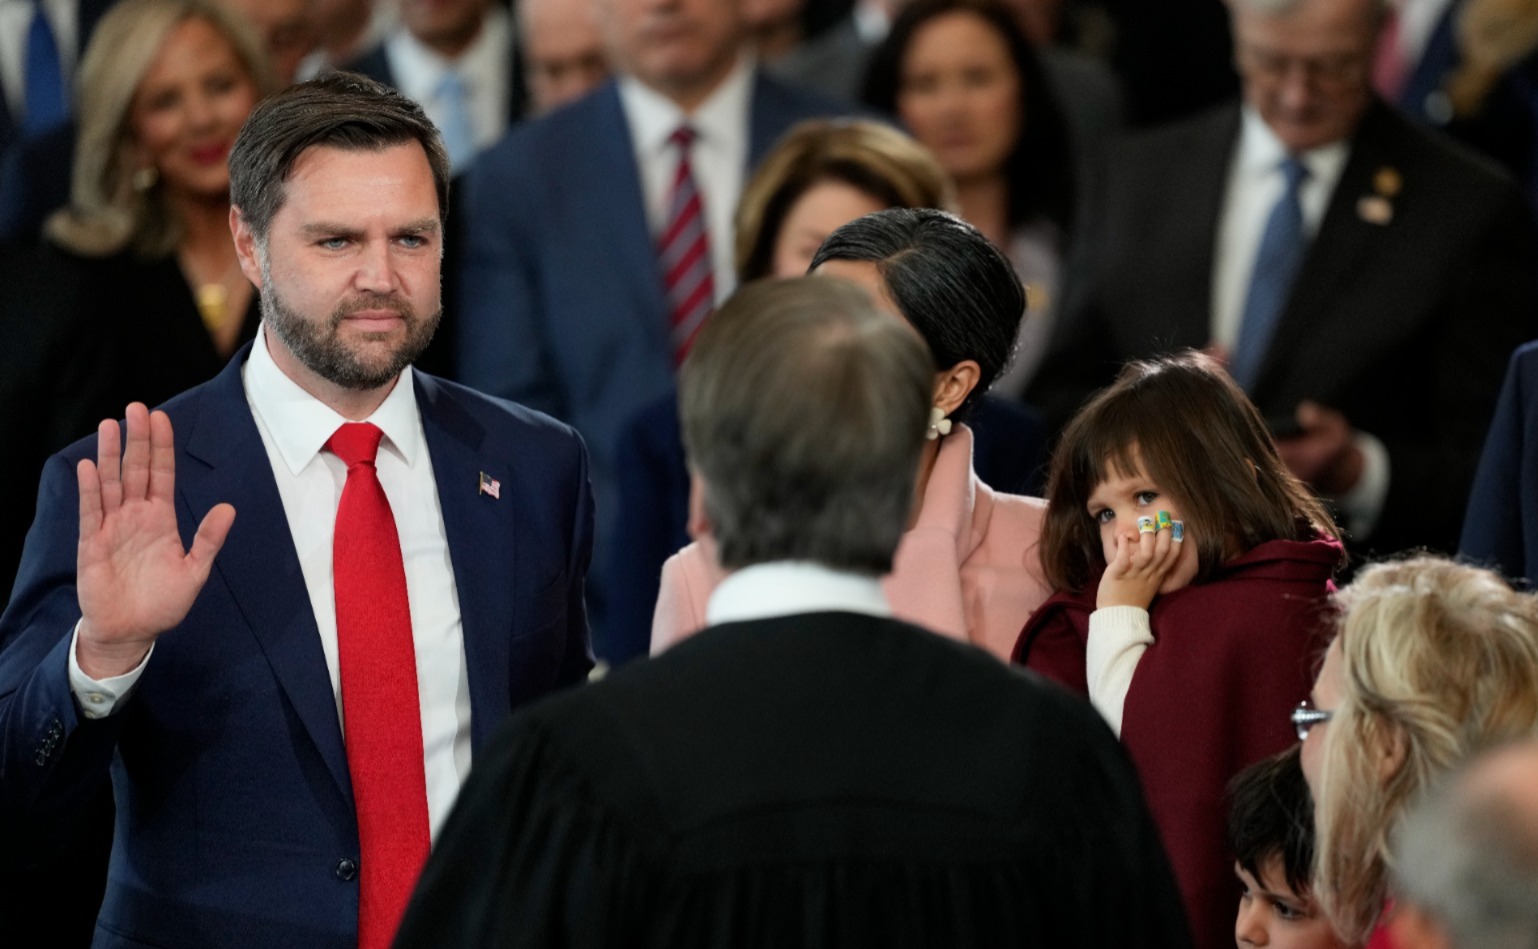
[(563, 301), (229, 689)]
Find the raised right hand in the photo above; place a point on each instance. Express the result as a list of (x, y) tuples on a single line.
[(1135, 574), (133, 578)]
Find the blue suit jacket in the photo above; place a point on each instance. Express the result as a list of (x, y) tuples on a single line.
[(561, 301), (1500, 528), (235, 819)]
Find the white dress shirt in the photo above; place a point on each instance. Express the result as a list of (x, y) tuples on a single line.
[(294, 427), (485, 68), (1255, 182), (789, 587), (15, 22), (718, 158)]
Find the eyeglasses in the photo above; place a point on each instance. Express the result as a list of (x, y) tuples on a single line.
[(1305, 717)]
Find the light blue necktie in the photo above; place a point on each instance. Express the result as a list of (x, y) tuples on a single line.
[(458, 132), (1282, 246), (47, 99)]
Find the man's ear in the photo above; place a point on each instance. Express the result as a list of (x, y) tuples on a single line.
[(699, 521), (246, 250)]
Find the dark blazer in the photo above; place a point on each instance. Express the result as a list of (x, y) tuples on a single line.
[(1500, 529), (236, 824), (1403, 326), (817, 780)]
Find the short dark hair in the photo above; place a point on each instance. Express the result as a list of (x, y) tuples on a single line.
[(340, 110), (1198, 436), (804, 409), (1270, 814), (949, 281), (1039, 168)]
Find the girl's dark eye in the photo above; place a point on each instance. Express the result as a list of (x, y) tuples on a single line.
[(1105, 516), (1147, 497)]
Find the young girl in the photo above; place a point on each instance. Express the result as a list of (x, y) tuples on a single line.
[(1191, 570)]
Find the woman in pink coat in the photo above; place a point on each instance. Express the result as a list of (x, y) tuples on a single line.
[(968, 566)]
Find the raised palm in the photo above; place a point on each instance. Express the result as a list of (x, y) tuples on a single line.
[(133, 577)]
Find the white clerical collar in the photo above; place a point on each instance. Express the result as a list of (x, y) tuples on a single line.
[(786, 588), (300, 424), (653, 117)]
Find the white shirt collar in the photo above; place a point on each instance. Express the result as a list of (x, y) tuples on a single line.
[(721, 117), (300, 424), (419, 70), (1261, 153), (786, 588)]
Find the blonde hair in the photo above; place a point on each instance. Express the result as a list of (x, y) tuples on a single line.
[(874, 158), (107, 214), (1439, 660)]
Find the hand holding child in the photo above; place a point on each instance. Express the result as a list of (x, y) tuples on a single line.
[(1143, 560)]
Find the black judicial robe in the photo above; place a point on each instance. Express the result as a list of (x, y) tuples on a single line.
[(820, 780)]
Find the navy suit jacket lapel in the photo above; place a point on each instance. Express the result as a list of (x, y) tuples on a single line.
[(611, 193), (480, 529), (224, 460), (1193, 224)]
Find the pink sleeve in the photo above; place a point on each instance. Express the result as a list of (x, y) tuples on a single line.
[(687, 582)]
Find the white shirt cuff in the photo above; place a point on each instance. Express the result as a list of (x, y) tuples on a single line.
[(1363, 504), (1117, 637), (100, 698)]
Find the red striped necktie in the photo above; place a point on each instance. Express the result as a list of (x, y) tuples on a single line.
[(683, 250), (381, 710)]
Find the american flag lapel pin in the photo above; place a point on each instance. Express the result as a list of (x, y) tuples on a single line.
[(490, 485)]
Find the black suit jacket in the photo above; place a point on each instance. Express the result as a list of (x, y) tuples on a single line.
[(1404, 326), (817, 780)]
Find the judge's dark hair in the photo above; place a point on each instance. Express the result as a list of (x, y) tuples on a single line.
[(340, 110), (1039, 169), (1270, 814), (1192, 430), (947, 279), (804, 409)]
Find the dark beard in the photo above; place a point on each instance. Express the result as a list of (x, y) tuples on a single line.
[(321, 350)]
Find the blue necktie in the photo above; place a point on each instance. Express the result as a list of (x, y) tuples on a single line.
[(47, 101), (1276, 265), (458, 133)]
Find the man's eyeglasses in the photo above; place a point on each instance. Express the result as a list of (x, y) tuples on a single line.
[(1305, 717)]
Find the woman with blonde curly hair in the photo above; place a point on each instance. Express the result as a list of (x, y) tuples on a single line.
[(1432, 661), (164, 86)]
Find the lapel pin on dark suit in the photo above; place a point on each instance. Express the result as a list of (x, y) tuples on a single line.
[(491, 486), (1378, 208)]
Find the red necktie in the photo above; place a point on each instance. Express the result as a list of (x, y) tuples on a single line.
[(688, 277), (381, 711)]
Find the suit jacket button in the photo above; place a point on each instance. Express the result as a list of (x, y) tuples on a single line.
[(346, 869)]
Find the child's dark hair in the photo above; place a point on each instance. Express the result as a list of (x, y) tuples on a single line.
[(1195, 434), (1271, 814)]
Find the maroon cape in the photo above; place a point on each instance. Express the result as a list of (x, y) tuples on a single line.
[(1230, 659)]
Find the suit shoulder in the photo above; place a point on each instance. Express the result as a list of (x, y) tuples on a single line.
[(500, 417), (553, 135), (1445, 164), (1212, 128)]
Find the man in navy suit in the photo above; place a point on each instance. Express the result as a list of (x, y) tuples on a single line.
[(218, 686), (563, 304)]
